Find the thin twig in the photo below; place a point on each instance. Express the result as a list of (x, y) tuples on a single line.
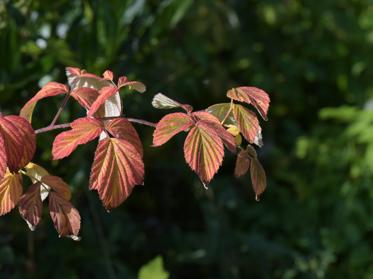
[(60, 109), (51, 128)]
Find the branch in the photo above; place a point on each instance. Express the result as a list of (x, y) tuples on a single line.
[(67, 125), (60, 109)]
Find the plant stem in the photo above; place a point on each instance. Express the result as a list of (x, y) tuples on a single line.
[(50, 128), (60, 109)]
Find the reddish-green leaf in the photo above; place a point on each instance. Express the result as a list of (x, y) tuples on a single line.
[(65, 217), (204, 151), (215, 125), (85, 96), (247, 123), (49, 90), (121, 128), (19, 141), (222, 112), (242, 163), (57, 185), (135, 85), (83, 130), (30, 206), (169, 126), (116, 169), (258, 177), (251, 95), (104, 94), (10, 191)]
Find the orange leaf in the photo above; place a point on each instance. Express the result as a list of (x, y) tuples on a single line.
[(49, 90), (121, 128), (83, 130), (10, 192), (104, 94), (58, 186), (19, 141), (251, 95), (169, 126), (247, 123), (30, 206), (65, 217), (215, 125), (204, 151), (116, 169)]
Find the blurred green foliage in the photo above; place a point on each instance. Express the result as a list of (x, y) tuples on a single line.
[(313, 57)]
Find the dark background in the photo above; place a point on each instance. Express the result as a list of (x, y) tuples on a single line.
[(314, 58)]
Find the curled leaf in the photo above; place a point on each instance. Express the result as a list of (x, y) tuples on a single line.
[(132, 85), (161, 101), (108, 75)]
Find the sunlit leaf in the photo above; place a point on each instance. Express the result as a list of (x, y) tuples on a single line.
[(251, 95), (82, 131), (169, 126), (220, 111), (19, 141), (247, 122), (30, 206), (49, 90), (65, 217), (132, 85), (161, 101), (10, 191), (3, 157), (104, 94), (36, 173), (121, 128), (154, 270), (85, 96), (108, 75), (116, 169)]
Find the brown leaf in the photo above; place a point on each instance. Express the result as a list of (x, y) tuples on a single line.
[(57, 185), (242, 163), (258, 177), (30, 206)]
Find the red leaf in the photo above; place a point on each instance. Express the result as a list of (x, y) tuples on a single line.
[(85, 96), (65, 217), (121, 128), (242, 163), (169, 126), (58, 186), (30, 206), (204, 151), (116, 169), (83, 130), (135, 85), (214, 123), (108, 75), (247, 123), (10, 192), (258, 177), (3, 157), (105, 93), (251, 95), (49, 90), (19, 141)]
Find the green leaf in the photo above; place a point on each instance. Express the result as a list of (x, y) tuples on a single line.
[(153, 270)]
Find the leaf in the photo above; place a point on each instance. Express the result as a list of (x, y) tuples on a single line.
[(242, 163), (204, 151), (220, 111), (3, 157), (258, 177), (161, 101), (30, 206), (10, 191), (85, 96), (108, 75), (19, 141), (247, 123), (83, 130), (49, 90), (251, 95), (121, 128), (36, 173), (135, 85), (65, 217), (116, 169), (58, 186), (215, 125), (169, 126), (104, 94), (154, 270)]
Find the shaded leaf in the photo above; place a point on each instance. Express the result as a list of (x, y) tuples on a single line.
[(121, 128), (10, 191), (65, 217), (247, 123), (83, 130), (104, 94), (242, 163), (49, 90), (251, 95), (169, 126), (57, 185), (204, 151), (220, 111), (30, 206), (116, 169), (85, 96), (258, 177)]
